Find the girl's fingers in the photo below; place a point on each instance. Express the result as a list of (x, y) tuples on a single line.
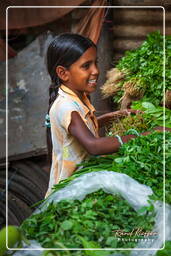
[(134, 111), (125, 112), (161, 128)]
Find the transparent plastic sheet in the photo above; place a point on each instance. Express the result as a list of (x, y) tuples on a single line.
[(135, 193), (33, 245), (111, 182)]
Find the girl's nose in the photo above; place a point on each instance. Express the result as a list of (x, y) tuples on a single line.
[(95, 70)]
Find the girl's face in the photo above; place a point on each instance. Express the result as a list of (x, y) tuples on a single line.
[(83, 74)]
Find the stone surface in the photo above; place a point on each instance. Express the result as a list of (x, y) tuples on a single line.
[(27, 100)]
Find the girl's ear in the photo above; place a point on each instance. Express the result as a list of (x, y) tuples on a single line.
[(62, 73)]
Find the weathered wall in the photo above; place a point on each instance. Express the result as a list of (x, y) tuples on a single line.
[(130, 25)]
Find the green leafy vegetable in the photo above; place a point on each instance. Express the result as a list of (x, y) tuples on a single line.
[(89, 223), (154, 116), (146, 64)]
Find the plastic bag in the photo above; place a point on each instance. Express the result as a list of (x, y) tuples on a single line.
[(111, 182), (30, 249)]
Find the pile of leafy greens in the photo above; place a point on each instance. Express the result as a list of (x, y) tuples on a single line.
[(144, 158), (146, 65), (91, 223)]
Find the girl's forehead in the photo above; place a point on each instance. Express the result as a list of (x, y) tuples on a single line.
[(90, 53)]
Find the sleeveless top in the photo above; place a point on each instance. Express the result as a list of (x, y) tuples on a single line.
[(66, 150)]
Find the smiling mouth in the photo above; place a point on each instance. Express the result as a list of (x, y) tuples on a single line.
[(92, 82)]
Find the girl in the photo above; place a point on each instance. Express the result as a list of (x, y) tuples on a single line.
[(72, 66)]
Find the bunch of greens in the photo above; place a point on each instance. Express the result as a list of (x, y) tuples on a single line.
[(145, 65), (91, 223), (154, 116), (151, 117), (141, 158), (122, 125)]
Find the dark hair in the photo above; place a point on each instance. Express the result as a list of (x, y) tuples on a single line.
[(64, 50)]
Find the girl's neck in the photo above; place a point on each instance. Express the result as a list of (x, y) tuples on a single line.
[(79, 94)]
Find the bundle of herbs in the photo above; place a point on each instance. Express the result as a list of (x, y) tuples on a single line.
[(95, 222), (150, 117), (143, 71), (121, 125)]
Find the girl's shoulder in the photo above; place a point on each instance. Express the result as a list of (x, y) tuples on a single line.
[(66, 103), (60, 112), (63, 106)]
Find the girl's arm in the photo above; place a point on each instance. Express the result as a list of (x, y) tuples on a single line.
[(106, 118), (93, 145), (101, 145)]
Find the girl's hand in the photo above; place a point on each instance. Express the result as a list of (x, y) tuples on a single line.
[(162, 129), (111, 116), (158, 128), (124, 112)]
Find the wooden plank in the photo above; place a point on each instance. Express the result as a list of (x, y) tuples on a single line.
[(124, 45), (127, 30), (142, 15), (20, 156), (164, 3)]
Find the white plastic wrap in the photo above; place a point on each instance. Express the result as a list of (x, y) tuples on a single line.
[(30, 249), (111, 182)]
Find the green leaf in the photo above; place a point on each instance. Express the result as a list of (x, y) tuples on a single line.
[(92, 244), (111, 241), (121, 160), (148, 105), (142, 210), (66, 225)]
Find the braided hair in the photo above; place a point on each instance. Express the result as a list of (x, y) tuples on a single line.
[(64, 50)]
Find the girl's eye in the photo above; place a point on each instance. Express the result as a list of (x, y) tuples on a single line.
[(86, 65)]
